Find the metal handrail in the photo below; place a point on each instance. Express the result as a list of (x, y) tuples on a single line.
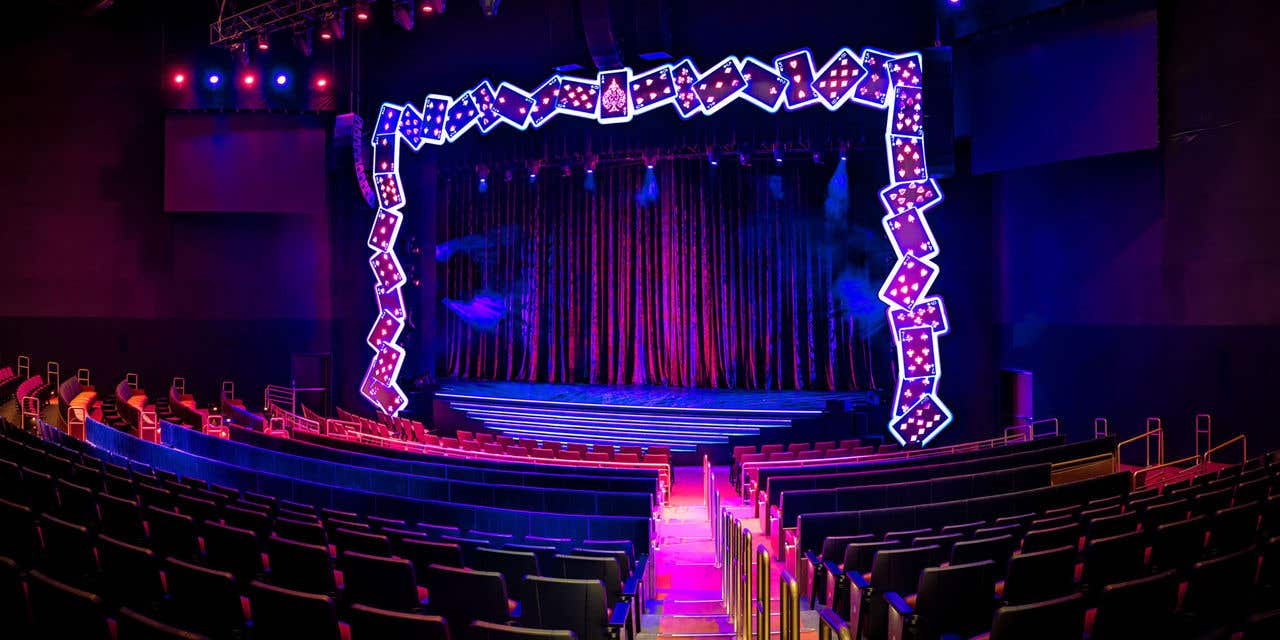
[(1207, 431), (1080, 461), (831, 624), (1158, 433), (789, 606), (744, 584), (1030, 428), (1104, 431), (1244, 448), (764, 588), (1145, 471)]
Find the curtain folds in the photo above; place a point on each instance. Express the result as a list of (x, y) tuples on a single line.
[(727, 280)]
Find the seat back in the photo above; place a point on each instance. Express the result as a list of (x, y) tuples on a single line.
[(997, 549), (369, 623), (833, 546), (1215, 588), (206, 600), (68, 550), (172, 534), (1052, 538), (1111, 525), (1058, 619), (362, 542), (562, 603), (514, 565), (1234, 528), (59, 610), (308, 531), (232, 549), (284, 614), (131, 625), (896, 570), (1178, 545), (130, 574), (1137, 608), (300, 566), (490, 631), (13, 599), (464, 595), (19, 538), (858, 556), (619, 558), (377, 581), (121, 518), (593, 568), (956, 599), (1114, 559), (1040, 575)]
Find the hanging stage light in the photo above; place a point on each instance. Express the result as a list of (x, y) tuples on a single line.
[(712, 157), (361, 11), (431, 7), (777, 154), (332, 26), (263, 42), (490, 8), (402, 13)]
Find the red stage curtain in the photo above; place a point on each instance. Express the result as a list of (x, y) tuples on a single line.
[(725, 281)]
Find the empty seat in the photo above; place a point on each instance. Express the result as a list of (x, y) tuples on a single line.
[(490, 631), (957, 600), (130, 574), (514, 565), (385, 583), (468, 545), (204, 600), (604, 569), (76, 503), (68, 551), (381, 524), (242, 516), (463, 595), (232, 549), (578, 606), (907, 536), (308, 531), (199, 509), (1234, 528), (370, 623), (1052, 538), (546, 554), (997, 549), (1010, 529), (300, 566), (41, 491), (1040, 575), (1178, 545), (1050, 522), (131, 625), (19, 538), (362, 542), (896, 570), (1216, 591), (423, 554), (1058, 619), (285, 614), (1114, 559), (1137, 608), (1111, 525), (1209, 502), (59, 610), (943, 541), (121, 519), (13, 599), (1162, 513), (171, 534)]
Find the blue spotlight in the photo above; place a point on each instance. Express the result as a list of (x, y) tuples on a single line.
[(281, 79), (214, 79), (589, 182), (837, 203), (647, 194), (483, 187)]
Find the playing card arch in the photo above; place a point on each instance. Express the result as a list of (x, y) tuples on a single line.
[(874, 78)]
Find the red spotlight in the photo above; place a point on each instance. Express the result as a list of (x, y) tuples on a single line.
[(361, 11), (249, 79), (263, 42), (179, 79), (322, 82), (431, 7)]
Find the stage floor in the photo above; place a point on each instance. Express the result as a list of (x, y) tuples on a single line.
[(653, 396)]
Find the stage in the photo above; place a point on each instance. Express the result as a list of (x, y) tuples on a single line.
[(679, 418)]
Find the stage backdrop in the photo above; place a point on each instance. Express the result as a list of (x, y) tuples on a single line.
[(746, 277)]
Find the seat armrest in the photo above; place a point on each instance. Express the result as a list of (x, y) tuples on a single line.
[(901, 616), (857, 580), (630, 588), (618, 627), (860, 594), (836, 582), (642, 562)]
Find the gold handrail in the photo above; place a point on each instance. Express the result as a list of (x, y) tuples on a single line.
[(764, 588), (1080, 461), (1147, 470), (1244, 448), (831, 624), (744, 585), (789, 606), (1157, 432)]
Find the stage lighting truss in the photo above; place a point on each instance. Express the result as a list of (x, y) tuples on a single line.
[(881, 80)]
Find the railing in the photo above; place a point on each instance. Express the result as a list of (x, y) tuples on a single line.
[(83, 376), (743, 626), (180, 386), (978, 445), (707, 483), (789, 606), (1069, 470), (76, 417), (1244, 449), (132, 380), (764, 586), (30, 410), (148, 425), (53, 374), (1141, 475), (24, 367), (1029, 429), (285, 398), (1157, 433), (1101, 428), (830, 625), (1204, 427)]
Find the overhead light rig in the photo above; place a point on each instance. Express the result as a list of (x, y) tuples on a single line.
[(267, 18)]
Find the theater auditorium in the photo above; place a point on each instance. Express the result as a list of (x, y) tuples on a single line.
[(626, 320)]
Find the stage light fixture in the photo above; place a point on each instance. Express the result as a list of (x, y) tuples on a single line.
[(712, 158), (402, 13), (777, 155), (431, 7), (281, 79), (263, 42), (490, 8), (332, 26), (534, 168), (361, 11), (214, 79), (744, 159), (322, 82), (302, 39), (249, 79), (179, 79), (817, 157)]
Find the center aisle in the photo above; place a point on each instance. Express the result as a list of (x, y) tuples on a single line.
[(689, 602)]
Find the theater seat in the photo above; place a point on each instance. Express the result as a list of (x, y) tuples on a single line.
[(489, 631), (952, 601), (172, 534), (382, 582), (1059, 619), (130, 574), (1234, 528), (202, 599), (579, 606), (896, 570), (232, 549), (361, 542), (284, 614), (463, 595), (121, 519), (369, 623), (59, 610), (997, 549), (300, 566), (1178, 545), (131, 625), (1137, 608), (513, 564), (68, 551), (1040, 575), (13, 599), (1217, 590), (1113, 559), (423, 554)]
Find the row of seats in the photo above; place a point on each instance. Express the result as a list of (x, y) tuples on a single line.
[(497, 443), (7, 376), (385, 426), (188, 552), (1196, 557)]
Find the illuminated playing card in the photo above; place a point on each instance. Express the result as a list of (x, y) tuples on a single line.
[(908, 282), (720, 85), (764, 86), (390, 302), (387, 398), (385, 366), (928, 312), (385, 227), (908, 112), (906, 70), (797, 68), (615, 96), (434, 113), (684, 74), (388, 119), (921, 422), (386, 270), (485, 102), (545, 98), (386, 153), (873, 88), (411, 127), (835, 81), (387, 186), (918, 352), (906, 159), (578, 97), (652, 90), (910, 234), (909, 393), (386, 329), (910, 195), (512, 105), (461, 116)]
